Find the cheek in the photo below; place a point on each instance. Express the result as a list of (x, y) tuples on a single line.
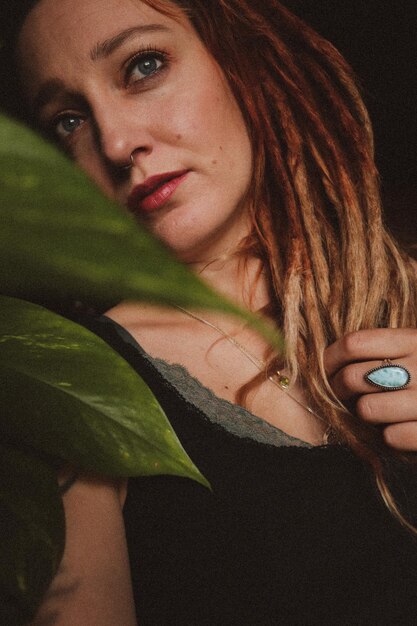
[(204, 116)]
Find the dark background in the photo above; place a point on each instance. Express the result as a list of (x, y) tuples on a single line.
[(379, 38)]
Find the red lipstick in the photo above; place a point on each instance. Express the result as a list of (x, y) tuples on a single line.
[(155, 191)]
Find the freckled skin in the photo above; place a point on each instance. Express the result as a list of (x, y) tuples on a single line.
[(176, 123)]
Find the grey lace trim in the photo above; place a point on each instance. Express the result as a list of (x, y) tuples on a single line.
[(231, 417)]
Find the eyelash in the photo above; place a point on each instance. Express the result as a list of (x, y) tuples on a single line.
[(146, 52), (52, 129)]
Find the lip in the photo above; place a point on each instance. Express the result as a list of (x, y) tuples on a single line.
[(155, 191)]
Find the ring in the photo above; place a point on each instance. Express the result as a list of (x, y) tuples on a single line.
[(388, 376), (131, 164)]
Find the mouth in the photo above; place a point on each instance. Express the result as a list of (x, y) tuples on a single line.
[(155, 191)]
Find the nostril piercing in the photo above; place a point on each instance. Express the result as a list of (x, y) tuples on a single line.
[(127, 167)]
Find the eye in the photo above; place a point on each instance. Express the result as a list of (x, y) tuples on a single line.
[(67, 124), (144, 66)]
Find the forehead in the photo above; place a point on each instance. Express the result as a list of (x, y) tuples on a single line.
[(70, 31), (69, 15)]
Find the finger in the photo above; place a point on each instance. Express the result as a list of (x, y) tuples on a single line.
[(366, 345), (351, 380), (402, 436), (389, 407)]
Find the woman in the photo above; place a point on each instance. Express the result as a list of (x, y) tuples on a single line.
[(238, 136)]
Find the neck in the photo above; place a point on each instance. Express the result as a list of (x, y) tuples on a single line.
[(241, 280)]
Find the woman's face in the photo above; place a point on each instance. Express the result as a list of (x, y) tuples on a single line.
[(117, 78)]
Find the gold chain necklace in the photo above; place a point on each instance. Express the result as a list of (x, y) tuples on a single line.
[(281, 381)]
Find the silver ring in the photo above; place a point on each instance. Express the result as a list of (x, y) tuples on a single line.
[(388, 376), (127, 167)]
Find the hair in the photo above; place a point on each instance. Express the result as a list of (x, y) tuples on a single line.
[(315, 207), (315, 201)]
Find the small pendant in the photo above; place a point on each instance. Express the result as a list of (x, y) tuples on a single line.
[(283, 381), (388, 377)]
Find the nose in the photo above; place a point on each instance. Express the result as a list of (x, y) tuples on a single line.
[(122, 135)]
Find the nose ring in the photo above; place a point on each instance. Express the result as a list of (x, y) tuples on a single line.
[(127, 167)]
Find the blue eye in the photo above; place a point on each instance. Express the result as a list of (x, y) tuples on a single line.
[(68, 124), (144, 66)]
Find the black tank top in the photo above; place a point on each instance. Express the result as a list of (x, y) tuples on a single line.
[(290, 534)]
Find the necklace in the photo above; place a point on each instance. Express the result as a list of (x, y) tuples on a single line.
[(278, 379)]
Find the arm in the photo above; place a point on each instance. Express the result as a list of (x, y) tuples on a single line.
[(92, 586)]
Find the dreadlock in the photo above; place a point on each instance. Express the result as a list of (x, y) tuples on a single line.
[(315, 205)]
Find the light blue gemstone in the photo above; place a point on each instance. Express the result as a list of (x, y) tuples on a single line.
[(389, 376)]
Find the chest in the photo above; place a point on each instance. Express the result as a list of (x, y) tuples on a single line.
[(228, 369)]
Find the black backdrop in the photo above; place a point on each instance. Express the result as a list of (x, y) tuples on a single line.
[(378, 38)]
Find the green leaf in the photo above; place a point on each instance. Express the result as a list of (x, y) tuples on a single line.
[(62, 239), (32, 533), (64, 391)]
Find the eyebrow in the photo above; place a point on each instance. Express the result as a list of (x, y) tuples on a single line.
[(104, 48), (55, 87), (50, 90)]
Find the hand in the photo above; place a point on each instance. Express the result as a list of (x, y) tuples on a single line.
[(351, 357)]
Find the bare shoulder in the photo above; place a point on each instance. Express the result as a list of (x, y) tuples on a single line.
[(93, 583), (158, 329), (137, 315)]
